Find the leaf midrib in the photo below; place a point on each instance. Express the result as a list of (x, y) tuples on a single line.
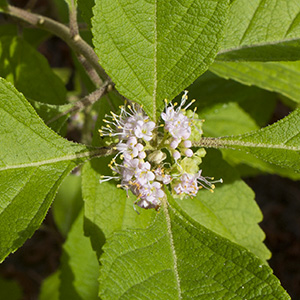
[(155, 62), (223, 142), (50, 161)]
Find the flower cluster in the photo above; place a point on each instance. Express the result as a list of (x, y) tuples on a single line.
[(150, 157)]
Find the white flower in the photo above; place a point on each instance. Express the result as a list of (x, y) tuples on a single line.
[(177, 123), (161, 176), (140, 170), (143, 129), (187, 185), (130, 149)]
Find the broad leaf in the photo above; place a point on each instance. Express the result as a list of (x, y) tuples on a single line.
[(107, 208), (248, 164), (154, 49), (52, 114), (176, 258), (86, 8), (278, 144), (79, 266), (231, 210), (33, 36), (50, 287), (228, 119), (67, 203), (262, 31), (33, 162), (29, 71), (210, 91), (281, 77)]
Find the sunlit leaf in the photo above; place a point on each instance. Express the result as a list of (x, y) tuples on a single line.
[(154, 49)]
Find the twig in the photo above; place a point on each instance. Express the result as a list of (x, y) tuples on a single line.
[(74, 31), (73, 20), (86, 101), (90, 70), (62, 31)]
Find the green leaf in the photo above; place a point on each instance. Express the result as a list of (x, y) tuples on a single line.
[(49, 113), (33, 160), (226, 119), (107, 208), (177, 258), (67, 203), (281, 77), (50, 286), (3, 5), (211, 91), (249, 165), (79, 266), (10, 289), (262, 31), (154, 49), (230, 118), (278, 144), (86, 8), (231, 210), (29, 71), (33, 36)]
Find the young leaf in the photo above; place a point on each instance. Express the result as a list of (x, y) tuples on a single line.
[(262, 31), (231, 210), (29, 71), (281, 77), (145, 45), (177, 258), (33, 162), (278, 144), (79, 266)]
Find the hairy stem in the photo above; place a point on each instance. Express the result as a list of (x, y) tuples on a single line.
[(73, 20), (86, 101), (74, 31), (63, 32)]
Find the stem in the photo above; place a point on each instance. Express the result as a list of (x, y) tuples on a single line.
[(73, 20), (86, 101), (74, 31), (90, 70), (103, 151), (63, 32)]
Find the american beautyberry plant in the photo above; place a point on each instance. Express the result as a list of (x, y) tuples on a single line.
[(156, 85)]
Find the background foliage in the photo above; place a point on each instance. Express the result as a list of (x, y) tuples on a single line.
[(240, 56)]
